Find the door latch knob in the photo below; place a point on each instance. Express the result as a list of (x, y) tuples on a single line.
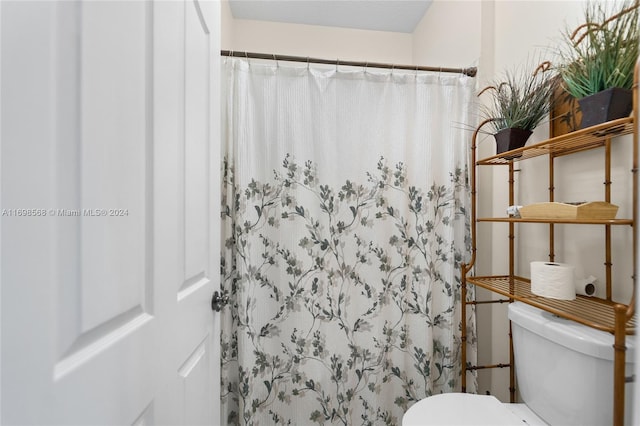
[(218, 301)]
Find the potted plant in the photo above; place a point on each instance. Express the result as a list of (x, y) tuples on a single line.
[(597, 60), (518, 104)]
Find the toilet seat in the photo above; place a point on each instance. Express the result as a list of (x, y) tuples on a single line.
[(460, 409)]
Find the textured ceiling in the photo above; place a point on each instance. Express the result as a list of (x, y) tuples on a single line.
[(381, 15)]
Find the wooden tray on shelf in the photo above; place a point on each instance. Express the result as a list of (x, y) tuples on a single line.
[(578, 211)]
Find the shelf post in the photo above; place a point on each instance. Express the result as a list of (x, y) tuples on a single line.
[(512, 238), (607, 229), (463, 325), (512, 371), (467, 267), (619, 352), (634, 171), (552, 251)]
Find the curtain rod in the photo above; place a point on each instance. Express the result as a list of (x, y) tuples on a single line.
[(471, 72)]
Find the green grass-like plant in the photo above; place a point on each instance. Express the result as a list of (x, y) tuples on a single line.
[(601, 53), (521, 99)]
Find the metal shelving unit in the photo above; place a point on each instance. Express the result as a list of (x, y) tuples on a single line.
[(603, 314)]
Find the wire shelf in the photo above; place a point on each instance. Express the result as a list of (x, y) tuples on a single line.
[(590, 311), (559, 221), (570, 143)]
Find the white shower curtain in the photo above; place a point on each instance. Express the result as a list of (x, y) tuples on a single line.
[(345, 220)]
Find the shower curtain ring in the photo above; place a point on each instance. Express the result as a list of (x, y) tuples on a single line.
[(307, 63), (366, 64), (337, 64), (276, 61)]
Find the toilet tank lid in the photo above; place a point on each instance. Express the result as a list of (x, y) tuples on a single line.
[(570, 334)]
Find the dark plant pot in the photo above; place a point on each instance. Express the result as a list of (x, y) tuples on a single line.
[(604, 106), (511, 138)]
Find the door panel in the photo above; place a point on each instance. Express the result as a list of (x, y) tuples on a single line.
[(196, 147), (195, 288), (194, 375), (109, 137), (109, 230)]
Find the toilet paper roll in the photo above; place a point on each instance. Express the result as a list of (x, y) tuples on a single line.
[(586, 286), (553, 280)]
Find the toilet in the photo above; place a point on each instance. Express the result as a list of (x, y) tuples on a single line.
[(564, 373)]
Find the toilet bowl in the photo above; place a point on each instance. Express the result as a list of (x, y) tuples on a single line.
[(564, 372), (468, 409)]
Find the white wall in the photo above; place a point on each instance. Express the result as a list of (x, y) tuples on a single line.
[(436, 40), (314, 41)]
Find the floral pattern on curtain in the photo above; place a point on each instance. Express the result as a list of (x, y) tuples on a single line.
[(344, 292)]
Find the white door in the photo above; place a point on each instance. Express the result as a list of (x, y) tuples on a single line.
[(109, 193)]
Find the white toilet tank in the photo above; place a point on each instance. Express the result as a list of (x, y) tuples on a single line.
[(564, 370)]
